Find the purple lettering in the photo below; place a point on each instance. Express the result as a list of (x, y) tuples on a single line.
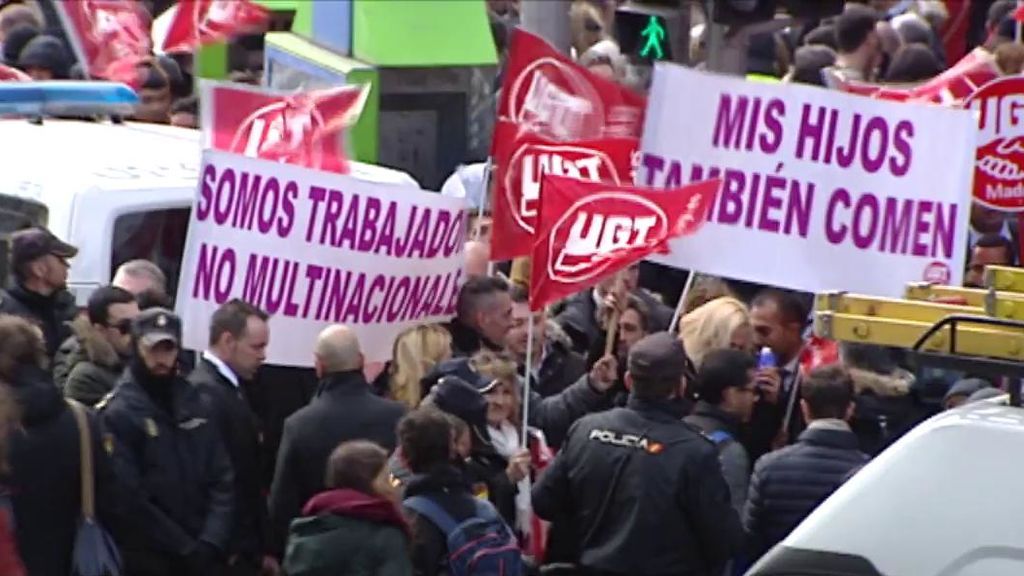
[(874, 160), (865, 212), (922, 221), (835, 234), (771, 203), (729, 122)]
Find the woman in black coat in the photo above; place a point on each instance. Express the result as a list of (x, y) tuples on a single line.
[(43, 475)]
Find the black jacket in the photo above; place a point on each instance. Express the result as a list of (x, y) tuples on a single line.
[(561, 366), (44, 477), (176, 474), (466, 341), (447, 487), (51, 313), (643, 493), (344, 408), (579, 318), (240, 433), (790, 483), (714, 421)]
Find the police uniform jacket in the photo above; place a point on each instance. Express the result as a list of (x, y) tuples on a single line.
[(643, 494), (176, 471)]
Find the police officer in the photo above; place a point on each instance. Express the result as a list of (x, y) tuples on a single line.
[(170, 458), (39, 263), (641, 491)]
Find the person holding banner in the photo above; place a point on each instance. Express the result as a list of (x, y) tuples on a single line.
[(643, 491)]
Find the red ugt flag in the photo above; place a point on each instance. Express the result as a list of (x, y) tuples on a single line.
[(589, 230), (547, 93), (201, 22), (8, 74), (523, 158), (304, 129), (110, 37)]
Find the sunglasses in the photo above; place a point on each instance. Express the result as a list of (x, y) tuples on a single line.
[(124, 326)]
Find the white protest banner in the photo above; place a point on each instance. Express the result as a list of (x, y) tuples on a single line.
[(315, 248), (821, 190)]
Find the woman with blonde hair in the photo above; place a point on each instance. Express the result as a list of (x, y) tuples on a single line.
[(416, 352), (721, 323)]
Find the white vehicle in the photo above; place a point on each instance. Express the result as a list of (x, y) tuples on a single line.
[(117, 191), (941, 501)]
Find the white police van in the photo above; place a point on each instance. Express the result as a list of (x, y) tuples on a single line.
[(116, 190)]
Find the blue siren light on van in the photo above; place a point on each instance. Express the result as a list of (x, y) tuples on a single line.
[(67, 97)]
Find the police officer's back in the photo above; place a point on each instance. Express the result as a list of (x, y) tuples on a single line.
[(170, 458), (643, 492), (39, 267)]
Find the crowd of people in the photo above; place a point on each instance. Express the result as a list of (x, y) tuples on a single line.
[(644, 451), (677, 453)]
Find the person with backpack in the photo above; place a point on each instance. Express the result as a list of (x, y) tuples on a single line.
[(354, 527), (727, 393), (453, 532)]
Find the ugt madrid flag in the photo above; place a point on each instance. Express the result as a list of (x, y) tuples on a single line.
[(523, 158), (587, 231), (109, 37), (200, 22), (305, 129)]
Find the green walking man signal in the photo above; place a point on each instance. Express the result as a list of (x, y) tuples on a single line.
[(654, 36)]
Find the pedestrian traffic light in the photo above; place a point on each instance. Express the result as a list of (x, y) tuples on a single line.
[(649, 33), (742, 11)]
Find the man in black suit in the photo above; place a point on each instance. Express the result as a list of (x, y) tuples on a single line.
[(239, 335), (344, 408)]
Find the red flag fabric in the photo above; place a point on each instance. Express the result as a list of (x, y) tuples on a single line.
[(587, 231), (8, 74), (1018, 14), (305, 129), (200, 22), (547, 93), (950, 88), (522, 158), (110, 37)]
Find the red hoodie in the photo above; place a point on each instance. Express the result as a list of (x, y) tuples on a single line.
[(355, 504)]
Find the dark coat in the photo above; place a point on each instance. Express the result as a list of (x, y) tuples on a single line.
[(240, 433), (93, 366), (466, 341), (344, 408), (51, 313), (579, 318), (176, 474), (790, 483), (45, 476), (711, 419), (642, 492), (348, 533), (561, 366), (447, 487)]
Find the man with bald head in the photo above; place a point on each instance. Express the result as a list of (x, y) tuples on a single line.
[(477, 255), (344, 408)]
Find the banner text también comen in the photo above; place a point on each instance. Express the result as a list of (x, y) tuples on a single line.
[(809, 177)]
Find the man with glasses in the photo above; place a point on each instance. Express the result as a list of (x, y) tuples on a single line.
[(39, 264), (104, 344), (727, 391)]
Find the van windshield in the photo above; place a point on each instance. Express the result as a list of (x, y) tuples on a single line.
[(157, 236)]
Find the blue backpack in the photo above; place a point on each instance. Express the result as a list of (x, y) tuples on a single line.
[(479, 546)]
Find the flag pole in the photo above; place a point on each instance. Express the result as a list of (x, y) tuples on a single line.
[(528, 374), (682, 302), (484, 196), (1017, 35)]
